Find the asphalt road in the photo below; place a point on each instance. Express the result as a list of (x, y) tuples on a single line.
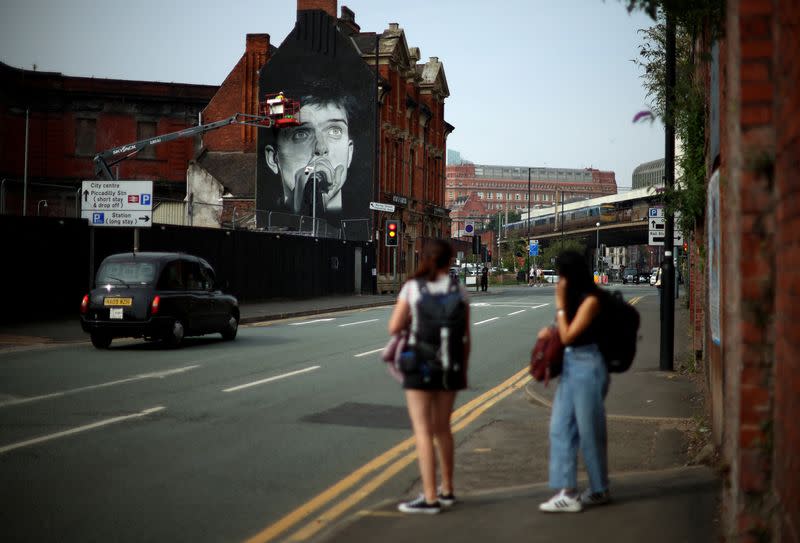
[(217, 441)]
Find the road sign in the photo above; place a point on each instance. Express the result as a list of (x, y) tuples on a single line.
[(656, 223), (380, 206), (533, 249), (117, 203), (469, 227)]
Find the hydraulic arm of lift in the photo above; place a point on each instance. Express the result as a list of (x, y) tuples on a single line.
[(103, 161)]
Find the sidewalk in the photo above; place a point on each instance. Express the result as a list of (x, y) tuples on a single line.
[(501, 467)]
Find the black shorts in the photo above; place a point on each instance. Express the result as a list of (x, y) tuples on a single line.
[(435, 380)]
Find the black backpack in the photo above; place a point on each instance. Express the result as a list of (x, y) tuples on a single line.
[(618, 331), (437, 333)]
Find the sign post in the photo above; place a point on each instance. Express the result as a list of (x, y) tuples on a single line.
[(116, 204)]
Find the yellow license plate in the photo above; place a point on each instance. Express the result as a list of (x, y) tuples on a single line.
[(126, 302)]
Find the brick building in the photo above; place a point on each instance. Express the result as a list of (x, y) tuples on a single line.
[(405, 170), (506, 188), (747, 288), (73, 118)]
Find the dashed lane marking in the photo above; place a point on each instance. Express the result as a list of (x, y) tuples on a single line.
[(270, 379)]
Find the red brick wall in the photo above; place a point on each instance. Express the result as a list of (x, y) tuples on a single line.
[(328, 6), (786, 75), (761, 277), (115, 105), (238, 94)]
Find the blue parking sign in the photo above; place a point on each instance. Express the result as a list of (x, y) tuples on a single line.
[(98, 218), (533, 250), (144, 199)]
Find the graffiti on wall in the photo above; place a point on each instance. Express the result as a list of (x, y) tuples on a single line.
[(322, 168)]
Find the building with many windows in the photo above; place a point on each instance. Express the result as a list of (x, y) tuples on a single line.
[(496, 189), (648, 174)]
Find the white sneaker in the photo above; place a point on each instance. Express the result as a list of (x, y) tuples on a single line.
[(561, 503), (594, 498)]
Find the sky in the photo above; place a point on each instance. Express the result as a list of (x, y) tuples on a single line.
[(532, 82)]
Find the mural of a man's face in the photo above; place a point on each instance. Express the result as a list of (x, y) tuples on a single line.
[(319, 148)]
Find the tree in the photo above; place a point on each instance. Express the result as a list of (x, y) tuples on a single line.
[(548, 257), (688, 195)]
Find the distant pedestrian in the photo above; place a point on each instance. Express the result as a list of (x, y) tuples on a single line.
[(435, 310), (484, 279), (531, 276), (578, 418)]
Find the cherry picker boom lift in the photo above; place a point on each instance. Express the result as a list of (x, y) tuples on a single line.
[(286, 114)]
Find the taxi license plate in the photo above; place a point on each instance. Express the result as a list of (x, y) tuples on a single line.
[(118, 302)]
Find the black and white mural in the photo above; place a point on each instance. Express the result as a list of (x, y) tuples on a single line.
[(322, 168)]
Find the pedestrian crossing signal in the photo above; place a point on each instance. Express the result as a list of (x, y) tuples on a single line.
[(392, 232)]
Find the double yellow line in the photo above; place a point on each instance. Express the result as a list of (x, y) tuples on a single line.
[(376, 472)]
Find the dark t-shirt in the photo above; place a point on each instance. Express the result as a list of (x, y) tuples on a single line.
[(591, 334)]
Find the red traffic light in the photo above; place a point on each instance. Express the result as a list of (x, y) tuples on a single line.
[(392, 231)]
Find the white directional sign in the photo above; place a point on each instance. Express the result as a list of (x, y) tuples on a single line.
[(655, 227), (117, 203), (380, 206)]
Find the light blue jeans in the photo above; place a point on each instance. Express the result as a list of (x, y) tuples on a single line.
[(579, 419)]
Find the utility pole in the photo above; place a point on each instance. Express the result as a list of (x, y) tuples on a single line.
[(529, 204), (668, 271)]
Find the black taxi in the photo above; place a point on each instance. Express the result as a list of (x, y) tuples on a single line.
[(165, 296)]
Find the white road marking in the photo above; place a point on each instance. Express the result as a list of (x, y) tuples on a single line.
[(479, 304), (34, 441), (517, 312), (354, 323), (270, 379), (310, 322), (153, 375), (538, 306), (368, 352), (487, 320)]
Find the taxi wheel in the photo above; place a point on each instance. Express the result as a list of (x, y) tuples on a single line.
[(230, 331), (101, 341), (175, 337)]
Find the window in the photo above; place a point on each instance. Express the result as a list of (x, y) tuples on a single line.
[(480, 196), (172, 276), (146, 130), (518, 196), (499, 195), (116, 273), (85, 137)]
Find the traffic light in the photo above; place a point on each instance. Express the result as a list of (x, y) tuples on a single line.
[(392, 232), (489, 257), (685, 246), (476, 244)]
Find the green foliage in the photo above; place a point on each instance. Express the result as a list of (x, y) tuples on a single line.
[(548, 256), (492, 224), (689, 194)]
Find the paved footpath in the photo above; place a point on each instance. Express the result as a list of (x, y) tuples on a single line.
[(501, 467)]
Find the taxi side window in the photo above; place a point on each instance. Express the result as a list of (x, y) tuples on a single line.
[(172, 276), (208, 276), (196, 278)]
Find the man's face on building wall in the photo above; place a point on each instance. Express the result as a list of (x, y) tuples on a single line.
[(319, 148)]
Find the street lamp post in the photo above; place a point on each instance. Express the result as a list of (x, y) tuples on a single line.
[(597, 248)]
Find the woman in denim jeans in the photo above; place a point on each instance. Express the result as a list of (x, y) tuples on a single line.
[(578, 418)]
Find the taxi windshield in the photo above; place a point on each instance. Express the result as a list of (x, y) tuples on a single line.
[(126, 273)]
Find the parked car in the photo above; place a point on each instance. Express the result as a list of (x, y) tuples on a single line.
[(630, 276), (644, 278), (653, 278), (165, 296)]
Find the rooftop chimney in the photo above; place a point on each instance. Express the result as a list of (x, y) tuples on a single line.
[(328, 6), (348, 20)]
